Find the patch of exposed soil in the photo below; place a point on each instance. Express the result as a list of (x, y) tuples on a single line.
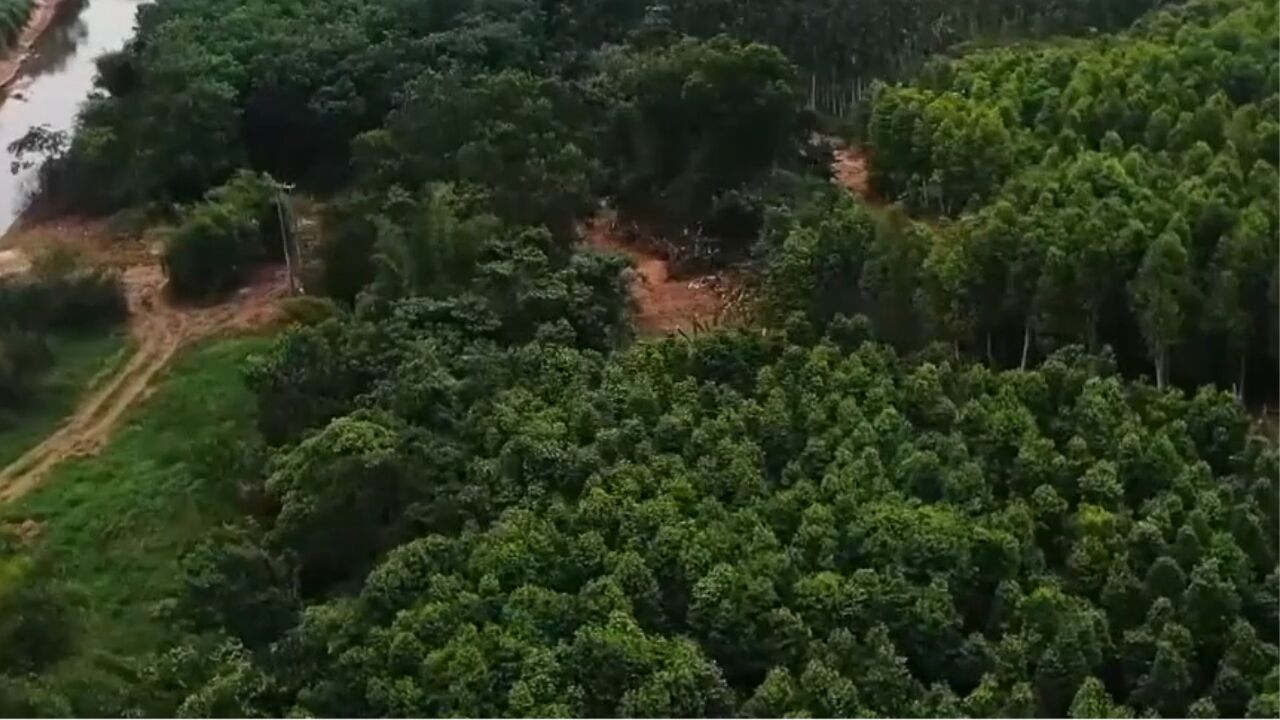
[(159, 329), (13, 262), (849, 166), (664, 304), (92, 239)]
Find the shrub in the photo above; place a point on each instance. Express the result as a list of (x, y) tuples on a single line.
[(60, 296), (307, 310), (22, 356), (235, 227)]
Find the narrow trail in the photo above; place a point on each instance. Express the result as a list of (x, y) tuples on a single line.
[(159, 330), (664, 304)]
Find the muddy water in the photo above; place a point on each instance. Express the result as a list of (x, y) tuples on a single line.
[(54, 80)]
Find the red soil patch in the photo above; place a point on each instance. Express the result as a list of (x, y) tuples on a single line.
[(664, 304), (849, 166)]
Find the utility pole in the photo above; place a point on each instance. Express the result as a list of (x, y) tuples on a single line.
[(286, 232)]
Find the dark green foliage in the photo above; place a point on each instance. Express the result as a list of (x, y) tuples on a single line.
[(516, 285), (57, 296), (35, 621), (812, 531), (220, 239), (522, 138), (229, 584), (696, 124), (283, 87), (13, 17), (23, 356)]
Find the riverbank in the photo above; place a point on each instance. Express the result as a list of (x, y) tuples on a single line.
[(55, 73), (42, 14)]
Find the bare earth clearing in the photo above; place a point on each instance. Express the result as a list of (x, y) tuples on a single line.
[(664, 304), (159, 330), (849, 167)]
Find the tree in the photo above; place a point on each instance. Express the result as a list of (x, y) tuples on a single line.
[(519, 136), (1167, 686), (221, 238), (340, 494), (1238, 286), (696, 120), (229, 583), (1161, 292), (435, 253), (1092, 701), (1211, 603)]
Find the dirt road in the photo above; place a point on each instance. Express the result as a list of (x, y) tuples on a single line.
[(159, 330), (664, 304)]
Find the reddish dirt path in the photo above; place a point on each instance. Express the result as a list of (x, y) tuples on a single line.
[(159, 330), (664, 304), (42, 13), (849, 166)]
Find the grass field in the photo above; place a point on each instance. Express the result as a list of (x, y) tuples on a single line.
[(77, 359), (112, 527)]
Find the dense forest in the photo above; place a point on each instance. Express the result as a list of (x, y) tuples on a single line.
[(1122, 192), (983, 448)]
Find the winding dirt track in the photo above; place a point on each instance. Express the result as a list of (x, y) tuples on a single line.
[(159, 330)]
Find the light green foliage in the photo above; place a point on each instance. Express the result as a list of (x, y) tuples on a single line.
[(938, 152), (1077, 218), (1161, 291)]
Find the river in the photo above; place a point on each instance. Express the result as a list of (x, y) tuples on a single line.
[(54, 81)]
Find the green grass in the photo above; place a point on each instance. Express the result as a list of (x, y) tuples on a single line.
[(114, 525), (76, 360)]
